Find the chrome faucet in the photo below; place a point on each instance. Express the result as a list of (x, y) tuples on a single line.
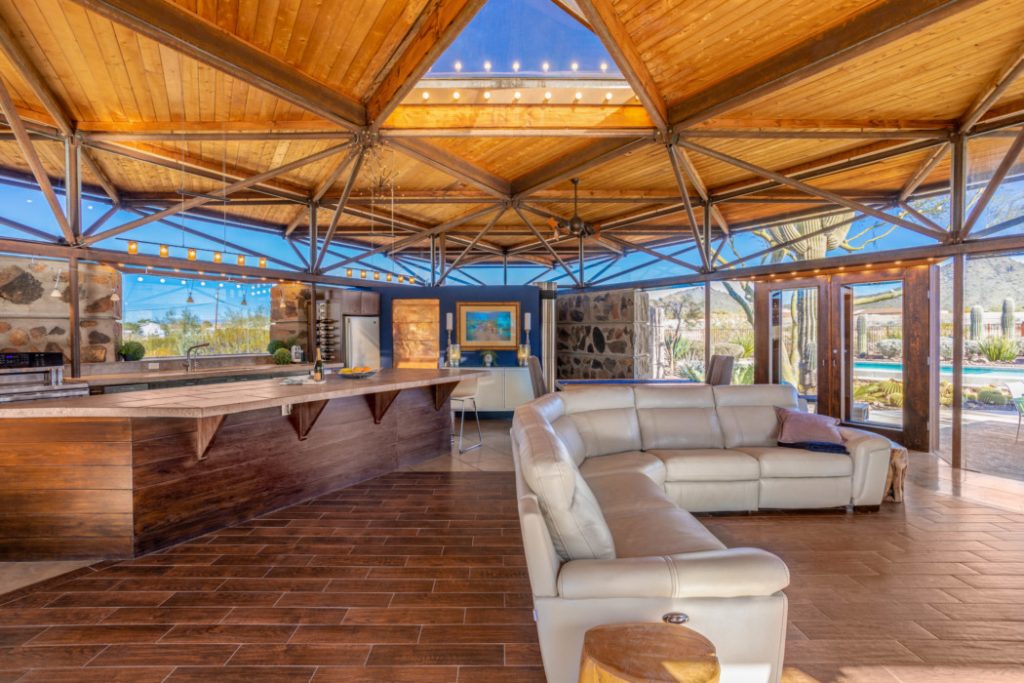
[(190, 361)]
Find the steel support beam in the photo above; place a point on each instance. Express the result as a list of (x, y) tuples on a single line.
[(550, 250), (991, 94), (690, 215), (480, 235), (1007, 162), (332, 227)]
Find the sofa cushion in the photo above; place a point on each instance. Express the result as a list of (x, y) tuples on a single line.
[(708, 464), (571, 512), (570, 437), (778, 462), (605, 417), (643, 521), (796, 426), (747, 413), (636, 462), (677, 416)]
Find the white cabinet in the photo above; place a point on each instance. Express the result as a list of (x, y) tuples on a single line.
[(502, 389)]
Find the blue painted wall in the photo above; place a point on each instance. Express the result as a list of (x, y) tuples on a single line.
[(527, 296)]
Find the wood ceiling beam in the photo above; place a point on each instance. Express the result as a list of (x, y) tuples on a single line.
[(182, 31), (197, 167), (880, 25), (171, 135), (811, 190), (196, 202), (609, 28), (923, 171), (34, 163), (454, 166), (701, 188), (991, 94), (691, 217), (429, 36), (332, 227), (412, 239), (547, 246), (1007, 162), (439, 119), (54, 107), (803, 125), (573, 164)]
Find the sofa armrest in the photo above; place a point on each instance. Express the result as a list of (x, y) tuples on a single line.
[(870, 453), (728, 573)]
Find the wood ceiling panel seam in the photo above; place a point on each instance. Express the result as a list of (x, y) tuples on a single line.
[(350, 47), (309, 21), (359, 74), (111, 82)]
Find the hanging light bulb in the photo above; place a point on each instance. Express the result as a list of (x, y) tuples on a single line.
[(164, 250), (56, 287), (517, 95), (401, 278), (191, 254), (263, 261), (389, 277), (241, 259), (115, 297), (575, 66), (456, 95), (412, 280), (348, 272), (607, 97), (515, 66), (604, 67), (487, 65), (458, 65), (139, 278), (133, 247), (163, 281), (487, 94), (376, 275), (362, 274), (547, 96), (545, 66), (578, 96), (426, 95), (217, 257)]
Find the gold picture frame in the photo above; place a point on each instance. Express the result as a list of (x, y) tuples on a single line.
[(488, 325)]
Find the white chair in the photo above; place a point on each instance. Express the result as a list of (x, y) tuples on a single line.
[(465, 394)]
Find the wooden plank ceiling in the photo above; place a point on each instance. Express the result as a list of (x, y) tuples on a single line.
[(140, 85)]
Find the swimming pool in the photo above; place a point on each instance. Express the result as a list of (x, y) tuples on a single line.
[(978, 371)]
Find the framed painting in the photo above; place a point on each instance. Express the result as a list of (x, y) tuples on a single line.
[(488, 325)]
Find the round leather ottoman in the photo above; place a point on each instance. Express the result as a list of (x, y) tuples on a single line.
[(637, 653)]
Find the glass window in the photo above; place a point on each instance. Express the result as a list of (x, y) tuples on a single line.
[(678, 324), (732, 326), (168, 315)]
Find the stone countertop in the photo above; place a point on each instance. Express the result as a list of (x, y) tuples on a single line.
[(158, 376), (214, 399)]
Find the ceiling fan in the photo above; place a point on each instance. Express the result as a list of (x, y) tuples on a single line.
[(575, 226)]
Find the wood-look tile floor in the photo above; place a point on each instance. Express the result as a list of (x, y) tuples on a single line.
[(418, 576)]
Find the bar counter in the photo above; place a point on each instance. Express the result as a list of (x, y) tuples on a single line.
[(116, 475)]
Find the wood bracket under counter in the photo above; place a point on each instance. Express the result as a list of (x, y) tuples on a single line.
[(303, 416), (442, 392), (206, 429)]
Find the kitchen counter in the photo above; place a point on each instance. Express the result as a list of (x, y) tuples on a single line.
[(164, 376), (113, 476), (214, 400)]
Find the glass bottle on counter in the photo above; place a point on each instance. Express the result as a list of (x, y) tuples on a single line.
[(318, 367)]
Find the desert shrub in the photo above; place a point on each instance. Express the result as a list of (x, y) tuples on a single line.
[(972, 347), (282, 357), (746, 341), (132, 350), (743, 373), (945, 393), (890, 348), (992, 396), (727, 349), (998, 349), (946, 348)]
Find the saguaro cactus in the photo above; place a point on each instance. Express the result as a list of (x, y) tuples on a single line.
[(1006, 319), (862, 335), (977, 313)]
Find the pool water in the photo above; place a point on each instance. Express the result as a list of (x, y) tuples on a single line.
[(945, 369)]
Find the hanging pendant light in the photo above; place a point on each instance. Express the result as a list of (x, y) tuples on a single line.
[(376, 276), (244, 302), (164, 250), (241, 259), (56, 287), (263, 261), (348, 272), (389, 277), (217, 257), (192, 254), (133, 247)]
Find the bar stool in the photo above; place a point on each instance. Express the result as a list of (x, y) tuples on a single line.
[(466, 393)]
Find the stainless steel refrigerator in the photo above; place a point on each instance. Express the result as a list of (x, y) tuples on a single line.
[(361, 341)]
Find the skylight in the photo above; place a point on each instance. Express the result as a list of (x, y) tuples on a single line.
[(525, 38)]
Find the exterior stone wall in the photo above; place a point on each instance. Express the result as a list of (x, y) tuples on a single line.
[(31, 319), (604, 335)]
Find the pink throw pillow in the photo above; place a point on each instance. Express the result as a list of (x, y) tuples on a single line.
[(796, 426)]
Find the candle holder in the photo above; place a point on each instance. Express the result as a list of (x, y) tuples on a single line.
[(454, 355), (523, 354)]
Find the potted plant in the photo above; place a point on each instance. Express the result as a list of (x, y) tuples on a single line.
[(489, 357), (131, 350), (282, 356)]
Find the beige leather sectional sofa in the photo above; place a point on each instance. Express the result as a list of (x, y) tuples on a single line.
[(607, 477)]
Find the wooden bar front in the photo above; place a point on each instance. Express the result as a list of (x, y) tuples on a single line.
[(106, 488)]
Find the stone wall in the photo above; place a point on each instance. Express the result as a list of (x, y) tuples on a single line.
[(604, 335), (31, 319)]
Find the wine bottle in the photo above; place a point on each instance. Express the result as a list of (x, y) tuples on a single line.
[(318, 367)]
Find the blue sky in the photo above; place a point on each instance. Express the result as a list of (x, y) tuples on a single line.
[(530, 31)]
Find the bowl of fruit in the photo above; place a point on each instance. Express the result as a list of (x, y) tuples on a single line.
[(357, 372)]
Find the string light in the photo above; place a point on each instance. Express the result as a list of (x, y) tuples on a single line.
[(217, 257), (412, 280), (578, 96), (487, 66), (607, 97), (515, 66), (456, 95), (191, 254), (401, 278), (547, 96), (575, 66), (487, 94), (163, 281), (426, 95), (517, 95), (376, 275), (263, 261), (348, 272), (545, 66), (241, 260), (133, 247), (164, 250), (604, 67), (458, 65), (362, 274), (139, 278), (389, 277)]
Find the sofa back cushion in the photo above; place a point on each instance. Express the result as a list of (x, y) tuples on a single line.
[(747, 413), (677, 416), (605, 418), (571, 512)]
